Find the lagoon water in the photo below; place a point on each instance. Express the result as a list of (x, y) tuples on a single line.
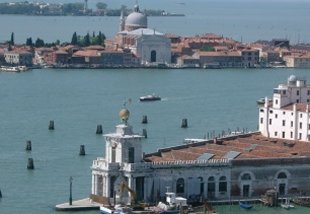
[(79, 100), (242, 20)]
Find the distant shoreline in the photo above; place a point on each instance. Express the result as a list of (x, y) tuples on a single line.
[(72, 9)]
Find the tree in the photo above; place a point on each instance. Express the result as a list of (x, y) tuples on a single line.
[(12, 38), (86, 41), (29, 42), (74, 40), (101, 38), (101, 6), (39, 43)]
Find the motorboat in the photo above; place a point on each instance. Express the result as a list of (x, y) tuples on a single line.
[(13, 68), (151, 97), (245, 205), (116, 210), (287, 205)]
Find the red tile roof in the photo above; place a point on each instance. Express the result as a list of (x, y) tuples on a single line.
[(250, 146)]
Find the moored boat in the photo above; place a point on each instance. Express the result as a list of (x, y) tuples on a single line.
[(245, 205), (152, 97), (287, 205), (116, 210), (13, 68)]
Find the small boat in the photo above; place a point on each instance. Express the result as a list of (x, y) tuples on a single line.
[(245, 205), (105, 210), (152, 97), (287, 205), (117, 210), (13, 68)]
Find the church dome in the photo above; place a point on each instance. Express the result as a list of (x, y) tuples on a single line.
[(136, 20)]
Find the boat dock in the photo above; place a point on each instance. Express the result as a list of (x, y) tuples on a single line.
[(78, 205)]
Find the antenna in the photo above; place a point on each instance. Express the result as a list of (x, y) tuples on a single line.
[(85, 6), (127, 102)]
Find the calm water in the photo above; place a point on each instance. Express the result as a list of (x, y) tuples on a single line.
[(243, 20), (78, 100)]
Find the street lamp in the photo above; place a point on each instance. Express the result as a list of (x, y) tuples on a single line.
[(70, 197)]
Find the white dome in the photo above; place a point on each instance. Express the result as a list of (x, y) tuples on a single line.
[(137, 20), (292, 78)]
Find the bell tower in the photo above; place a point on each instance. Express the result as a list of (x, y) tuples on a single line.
[(123, 146)]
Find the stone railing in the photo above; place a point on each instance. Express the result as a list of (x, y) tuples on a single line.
[(101, 163), (175, 164)]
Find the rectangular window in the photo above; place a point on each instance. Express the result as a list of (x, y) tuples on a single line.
[(297, 92), (283, 134), (261, 120), (270, 121), (300, 115), (276, 134), (291, 134), (276, 101), (131, 155), (308, 92), (276, 116), (292, 123), (297, 101), (300, 125), (283, 112), (300, 136), (283, 122), (284, 92)]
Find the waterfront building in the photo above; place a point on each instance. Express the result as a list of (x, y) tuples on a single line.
[(297, 60), (148, 45), (223, 59), (234, 166), (286, 115), (18, 58), (250, 57)]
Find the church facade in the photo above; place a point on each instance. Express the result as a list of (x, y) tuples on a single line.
[(150, 46)]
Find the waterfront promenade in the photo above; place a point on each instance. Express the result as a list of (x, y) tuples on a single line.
[(78, 205)]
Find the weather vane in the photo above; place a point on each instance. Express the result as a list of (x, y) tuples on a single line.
[(127, 102)]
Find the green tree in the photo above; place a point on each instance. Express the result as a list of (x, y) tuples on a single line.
[(74, 40), (29, 42), (101, 6), (101, 38), (39, 43), (12, 38), (86, 41)]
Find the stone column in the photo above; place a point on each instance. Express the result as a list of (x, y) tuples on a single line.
[(93, 184), (107, 186), (217, 187)]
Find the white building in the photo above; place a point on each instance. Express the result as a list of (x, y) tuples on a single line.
[(150, 46), (148, 181), (18, 58), (297, 61), (229, 168), (287, 115)]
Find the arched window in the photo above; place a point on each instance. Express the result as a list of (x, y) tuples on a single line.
[(246, 177), (211, 187), (201, 185), (282, 175), (180, 185), (153, 56), (223, 184)]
